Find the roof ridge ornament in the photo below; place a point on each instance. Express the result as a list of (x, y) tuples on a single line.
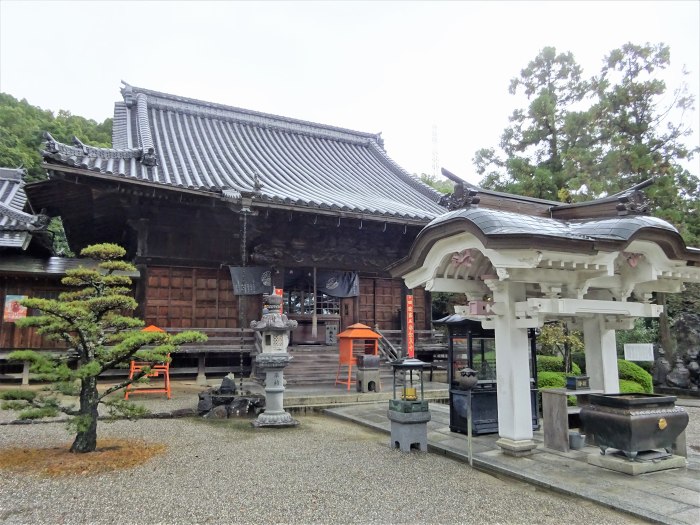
[(148, 158), (128, 94), (51, 143), (461, 196), (633, 203)]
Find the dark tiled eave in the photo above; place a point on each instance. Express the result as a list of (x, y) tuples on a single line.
[(16, 226), (179, 143)]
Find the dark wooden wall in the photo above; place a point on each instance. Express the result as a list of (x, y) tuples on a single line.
[(12, 337), (195, 298), (203, 298), (381, 304)]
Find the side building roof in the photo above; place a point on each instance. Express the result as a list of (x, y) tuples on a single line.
[(16, 225), (186, 144)]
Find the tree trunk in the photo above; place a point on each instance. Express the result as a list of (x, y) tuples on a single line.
[(86, 439)]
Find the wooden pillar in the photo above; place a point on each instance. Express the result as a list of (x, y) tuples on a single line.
[(25, 372), (201, 369), (314, 315), (512, 373), (601, 355)]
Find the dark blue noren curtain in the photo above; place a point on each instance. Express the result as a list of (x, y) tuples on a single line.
[(331, 282), (338, 284), (251, 280)]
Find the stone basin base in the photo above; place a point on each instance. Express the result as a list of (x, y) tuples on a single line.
[(634, 468)]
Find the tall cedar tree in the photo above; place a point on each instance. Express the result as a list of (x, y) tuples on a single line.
[(91, 320), (580, 139)]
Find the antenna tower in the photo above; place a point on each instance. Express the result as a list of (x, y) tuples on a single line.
[(436, 154)]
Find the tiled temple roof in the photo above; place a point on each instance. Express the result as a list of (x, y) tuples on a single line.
[(178, 142), (494, 223), (16, 226)]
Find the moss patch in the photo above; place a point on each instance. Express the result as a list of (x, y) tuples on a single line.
[(111, 454)]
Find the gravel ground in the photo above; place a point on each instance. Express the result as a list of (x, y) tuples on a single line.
[(692, 431), (325, 471)]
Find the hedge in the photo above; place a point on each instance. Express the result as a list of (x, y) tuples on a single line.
[(632, 372), (550, 363), (630, 387), (551, 380)]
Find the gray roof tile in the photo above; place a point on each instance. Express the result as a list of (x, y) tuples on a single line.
[(497, 222), (225, 150), (15, 224)]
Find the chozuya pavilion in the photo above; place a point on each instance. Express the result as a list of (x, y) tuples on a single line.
[(595, 265)]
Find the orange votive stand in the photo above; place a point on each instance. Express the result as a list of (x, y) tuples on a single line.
[(155, 370), (366, 339)]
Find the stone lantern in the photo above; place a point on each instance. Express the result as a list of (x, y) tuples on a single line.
[(408, 410), (274, 328)]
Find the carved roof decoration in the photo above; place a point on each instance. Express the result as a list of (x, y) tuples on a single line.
[(16, 225), (631, 201), (180, 143), (508, 231)]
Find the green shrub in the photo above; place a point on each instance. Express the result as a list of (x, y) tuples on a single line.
[(550, 363), (579, 359), (551, 380), (632, 372), (24, 395), (647, 366), (630, 387)]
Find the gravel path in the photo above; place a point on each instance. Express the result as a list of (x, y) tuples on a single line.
[(325, 471)]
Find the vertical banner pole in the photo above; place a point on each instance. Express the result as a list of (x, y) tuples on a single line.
[(469, 427), (314, 317), (410, 328)]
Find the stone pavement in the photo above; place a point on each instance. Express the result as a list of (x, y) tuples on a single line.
[(670, 496)]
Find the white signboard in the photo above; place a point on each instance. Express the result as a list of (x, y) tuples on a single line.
[(639, 352)]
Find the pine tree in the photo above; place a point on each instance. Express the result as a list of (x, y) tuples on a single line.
[(91, 319)]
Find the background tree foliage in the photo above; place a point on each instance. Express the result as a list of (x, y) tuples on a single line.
[(581, 138), (91, 318), (21, 133)]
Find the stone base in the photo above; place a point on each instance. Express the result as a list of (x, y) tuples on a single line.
[(519, 448), (275, 420), (408, 429), (368, 380), (634, 468)]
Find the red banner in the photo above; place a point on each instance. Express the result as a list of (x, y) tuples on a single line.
[(280, 292), (410, 328)]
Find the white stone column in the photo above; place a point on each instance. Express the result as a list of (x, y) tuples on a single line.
[(512, 373), (601, 355)]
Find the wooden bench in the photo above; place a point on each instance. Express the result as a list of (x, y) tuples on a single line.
[(222, 341), (23, 376)]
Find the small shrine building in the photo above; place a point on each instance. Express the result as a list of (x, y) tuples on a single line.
[(524, 261)]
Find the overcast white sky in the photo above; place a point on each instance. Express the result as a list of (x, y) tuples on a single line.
[(396, 67)]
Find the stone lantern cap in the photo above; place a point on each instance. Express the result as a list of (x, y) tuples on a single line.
[(272, 320)]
